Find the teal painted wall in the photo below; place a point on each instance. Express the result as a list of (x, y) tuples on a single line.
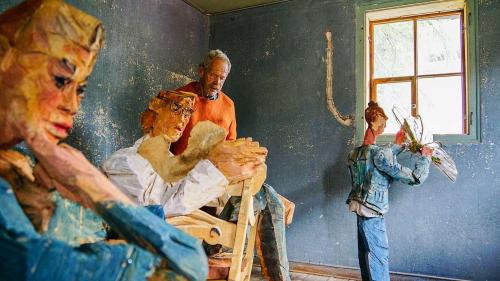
[(278, 84)]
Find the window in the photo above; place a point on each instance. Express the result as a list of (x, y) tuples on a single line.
[(420, 58)]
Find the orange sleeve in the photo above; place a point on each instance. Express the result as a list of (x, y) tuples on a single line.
[(231, 135)]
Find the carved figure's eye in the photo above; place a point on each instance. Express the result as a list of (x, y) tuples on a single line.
[(81, 90), (60, 81), (175, 106)]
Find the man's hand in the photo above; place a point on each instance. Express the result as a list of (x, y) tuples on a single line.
[(65, 168), (238, 159), (46, 181)]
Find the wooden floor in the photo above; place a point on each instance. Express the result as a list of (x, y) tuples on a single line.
[(309, 272), (297, 276)]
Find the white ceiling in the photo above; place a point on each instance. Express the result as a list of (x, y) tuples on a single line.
[(210, 7)]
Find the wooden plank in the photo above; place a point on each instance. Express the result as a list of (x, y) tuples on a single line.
[(204, 226), (250, 250), (241, 230)]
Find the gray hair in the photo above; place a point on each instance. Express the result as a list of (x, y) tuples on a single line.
[(215, 54)]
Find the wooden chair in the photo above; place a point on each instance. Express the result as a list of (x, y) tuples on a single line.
[(232, 235)]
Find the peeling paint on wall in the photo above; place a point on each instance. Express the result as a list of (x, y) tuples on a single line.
[(178, 78)]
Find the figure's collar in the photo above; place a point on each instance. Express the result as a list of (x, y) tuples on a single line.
[(214, 97)]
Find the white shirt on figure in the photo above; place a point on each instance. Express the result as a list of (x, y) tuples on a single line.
[(135, 176)]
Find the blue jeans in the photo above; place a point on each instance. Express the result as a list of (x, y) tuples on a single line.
[(373, 249)]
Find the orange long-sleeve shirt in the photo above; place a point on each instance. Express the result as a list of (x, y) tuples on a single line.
[(220, 111)]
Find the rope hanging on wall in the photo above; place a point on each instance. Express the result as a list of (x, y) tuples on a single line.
[(344, 120)]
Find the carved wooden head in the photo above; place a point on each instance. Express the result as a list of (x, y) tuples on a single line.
[(47, 51), (168, 114), (375, 117)]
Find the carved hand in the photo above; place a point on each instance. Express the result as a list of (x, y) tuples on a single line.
[(238, 159), (155, 150), (400, 137), (72, 174), (46, 181), (427, 151)]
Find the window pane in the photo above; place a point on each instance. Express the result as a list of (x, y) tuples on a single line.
[(393, 49), (439, 45), (394, 94), (440, 104)]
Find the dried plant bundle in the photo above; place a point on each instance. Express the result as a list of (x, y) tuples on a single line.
[(413, 127)]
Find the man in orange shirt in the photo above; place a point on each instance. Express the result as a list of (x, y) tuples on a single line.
[(211, 103)]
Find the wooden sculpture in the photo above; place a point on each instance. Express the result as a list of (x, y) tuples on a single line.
[(47, 51)]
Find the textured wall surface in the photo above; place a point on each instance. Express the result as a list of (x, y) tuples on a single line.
[(278, 85), (150, 45), (278, 82)]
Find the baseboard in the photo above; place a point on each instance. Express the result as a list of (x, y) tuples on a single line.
[(352, 273)]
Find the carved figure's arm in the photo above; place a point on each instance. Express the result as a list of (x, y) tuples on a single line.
[(135, 176), (28, 255), (203, 184), (386, 162), (72, 173)]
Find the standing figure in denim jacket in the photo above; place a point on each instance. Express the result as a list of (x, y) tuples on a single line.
[(372, 170)]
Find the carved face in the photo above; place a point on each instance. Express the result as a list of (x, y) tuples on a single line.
[(43, 93), (47, 50), (171, 119), (213, 79), (378, 124)]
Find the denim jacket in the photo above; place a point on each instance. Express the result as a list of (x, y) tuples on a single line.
[(28, 255), (372, 170)]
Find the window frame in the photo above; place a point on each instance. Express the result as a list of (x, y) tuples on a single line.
[(385, 10)]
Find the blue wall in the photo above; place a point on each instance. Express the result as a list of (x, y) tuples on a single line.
[(278, 85), (150, 45), (277, 82)]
